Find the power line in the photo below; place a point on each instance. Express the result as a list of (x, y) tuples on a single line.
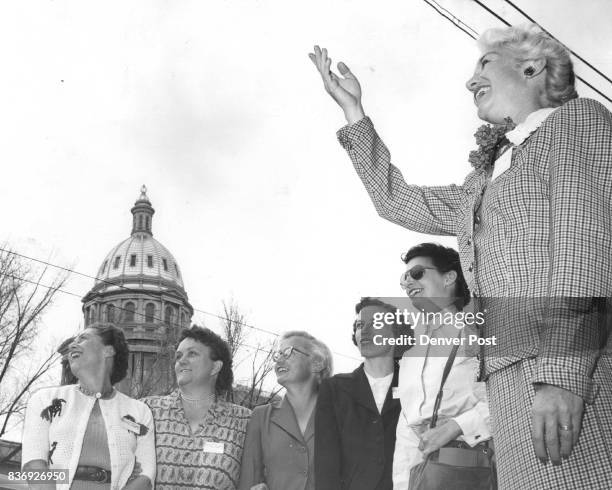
[(451, 18), (121, 286), (455, 19), (60, 290), (72, 271), (566, 47), (497, 16), (142, 315)]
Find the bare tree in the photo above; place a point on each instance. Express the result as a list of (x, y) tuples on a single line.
[(25, 294), (235, 331), (233, 326), (262, 365), (157, 373)]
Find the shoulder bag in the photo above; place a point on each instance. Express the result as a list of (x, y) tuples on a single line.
[(456, 465)]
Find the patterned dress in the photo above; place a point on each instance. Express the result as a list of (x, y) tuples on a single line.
[(208, 458)]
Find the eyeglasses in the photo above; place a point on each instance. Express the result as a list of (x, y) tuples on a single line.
[(285, 353), (416, 273)]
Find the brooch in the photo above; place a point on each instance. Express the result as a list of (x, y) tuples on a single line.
[(53, 410)]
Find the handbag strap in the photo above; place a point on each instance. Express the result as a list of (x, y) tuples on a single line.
[(447, 368)]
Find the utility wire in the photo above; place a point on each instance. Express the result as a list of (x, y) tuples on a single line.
[(455, 19), (72, 271), (497, 16), (570, 50), (121, 286), (452, 19), (60, 290)]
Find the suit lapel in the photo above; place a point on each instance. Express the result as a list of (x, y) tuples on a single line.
[(284, 417), (360, 391)]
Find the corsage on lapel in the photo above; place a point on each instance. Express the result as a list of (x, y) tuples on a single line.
[(130, 424), (53, 410), (488, 138)]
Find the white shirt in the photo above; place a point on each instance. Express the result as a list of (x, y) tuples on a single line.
[(519, 134), (59, 414), (464, 398), (380, 388)]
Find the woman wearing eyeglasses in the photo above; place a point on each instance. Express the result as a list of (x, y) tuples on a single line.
[(279, 447), (199, 437), (435, 284)]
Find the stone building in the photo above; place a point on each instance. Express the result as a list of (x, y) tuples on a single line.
[(139, 288)]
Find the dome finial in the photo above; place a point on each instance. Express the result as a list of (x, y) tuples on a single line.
[(143, 193)]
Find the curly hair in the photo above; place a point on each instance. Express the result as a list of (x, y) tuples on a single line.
[(530, 42), (444, 259), (219, 351), (112, 335), (68, 377)]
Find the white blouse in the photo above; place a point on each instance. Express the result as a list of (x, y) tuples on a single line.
[(55, 423), (464, 399)]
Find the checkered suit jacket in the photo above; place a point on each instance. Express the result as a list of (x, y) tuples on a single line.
[(538, 238)]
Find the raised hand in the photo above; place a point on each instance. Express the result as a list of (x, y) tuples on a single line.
[(345, 89)]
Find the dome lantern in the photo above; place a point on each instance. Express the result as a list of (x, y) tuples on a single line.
[(142, 214)]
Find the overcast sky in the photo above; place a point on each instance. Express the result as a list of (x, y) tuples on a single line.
[(215, 106)]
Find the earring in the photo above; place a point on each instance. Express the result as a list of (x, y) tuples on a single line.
[(529, 71)]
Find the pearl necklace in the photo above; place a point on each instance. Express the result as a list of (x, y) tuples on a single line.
[(96, 394), (210, 398)]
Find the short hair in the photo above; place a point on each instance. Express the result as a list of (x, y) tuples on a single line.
[(316, 348), (530, 42), (112, 335), (368, 301), (219, 351), (68, 377), (445, 259)]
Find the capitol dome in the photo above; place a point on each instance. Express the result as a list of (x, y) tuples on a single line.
[(140, 259), (140, 256), (139, 288)]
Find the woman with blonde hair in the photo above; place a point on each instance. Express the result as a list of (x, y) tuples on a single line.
[(533, 226), (279, 446)]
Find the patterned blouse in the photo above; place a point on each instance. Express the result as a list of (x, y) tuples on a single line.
[(207, 459)]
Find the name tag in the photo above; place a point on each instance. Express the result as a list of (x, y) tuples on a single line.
[(395, 393), (131, 426), (213, 447)]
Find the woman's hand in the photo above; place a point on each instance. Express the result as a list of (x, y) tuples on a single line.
[(139, 483), (434, 439), (345, 91)]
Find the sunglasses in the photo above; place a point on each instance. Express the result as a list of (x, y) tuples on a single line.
[(416, 273), (286, 353)]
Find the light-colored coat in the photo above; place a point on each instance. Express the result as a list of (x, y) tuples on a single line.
[(61, 431)]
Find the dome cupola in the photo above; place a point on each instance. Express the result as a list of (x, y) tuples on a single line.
[(143, 214)]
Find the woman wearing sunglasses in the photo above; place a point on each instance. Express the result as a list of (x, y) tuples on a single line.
[(279, 447), (435, 284)]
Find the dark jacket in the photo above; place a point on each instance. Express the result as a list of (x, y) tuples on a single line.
[(354, 444)]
